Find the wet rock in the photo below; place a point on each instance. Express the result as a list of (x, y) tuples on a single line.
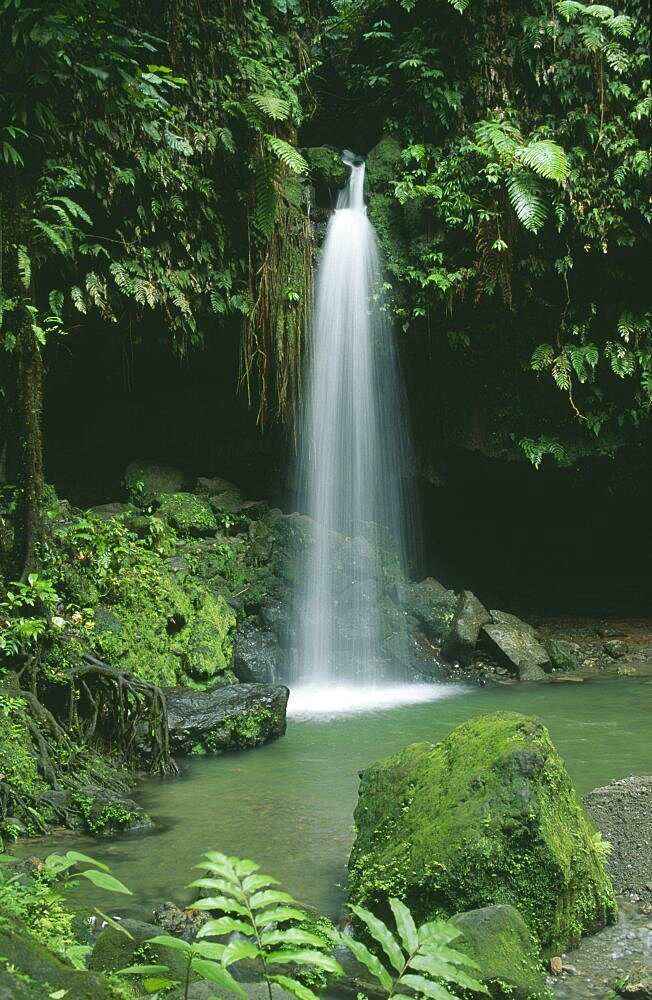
[(616, 648), (497, 938), (515, 642), (180, 923), (383, 161), (107, 511), (429, 819), (190, 516), (106, 813), (31, 972), (431, 604), (210, 487), (562, 654), (258, 656), (468, 618), (622, 812), (146, 480), (227, 718), (115, 950), (638, 985)]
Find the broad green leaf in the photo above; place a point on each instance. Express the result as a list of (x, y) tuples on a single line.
[(368, 959), (306, 957), (268, 897), (290, 935), (252, 883), (235, 951), (220, 903), (225, 925), (427, 987), (216, 974), (154, 984), (221, 885), (405, 925), (76, 856), (438, 932), (170, 942), (139, 970), (278, 914), (297, 989), (116, 924), (209, 949), (105, 881), (381, 933)]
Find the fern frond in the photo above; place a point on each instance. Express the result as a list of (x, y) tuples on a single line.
[(75, 210), (52, 235), (546, 158), (24, 266), (288, 155), (526, 197), (542, 357), (78, 299), (271, 106), (266, 195), (494, 137)]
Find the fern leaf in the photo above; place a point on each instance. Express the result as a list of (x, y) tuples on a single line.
[(567, 8), (78, 299), (271, 106), (288, 155), (494, 137), (546, 159), (459, 5), (52, 235), (24, 266), (76, 211), (542, 357), (525, 194), (266, 196)]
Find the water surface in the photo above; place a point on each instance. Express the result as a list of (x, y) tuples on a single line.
[(289, 805)]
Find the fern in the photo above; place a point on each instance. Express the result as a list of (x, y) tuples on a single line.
[(525, 195), (500, 138), (24, 266), (271, 106), (535, 450), (53, 236), (288, 155), (75, 210), (266, 195), (546, 159), (78, 299), (561, 371), (459, 5), (542, 357)]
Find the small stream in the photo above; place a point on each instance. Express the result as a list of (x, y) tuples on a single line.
[(289, 805)]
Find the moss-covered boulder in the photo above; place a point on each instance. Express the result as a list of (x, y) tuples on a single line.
[(30, 971), (498, 940), (229, 718), (146, 479), (383, 161), (115, 949), (190, 516), (489, 815), (326, 165), (562, 654), (106, 813)]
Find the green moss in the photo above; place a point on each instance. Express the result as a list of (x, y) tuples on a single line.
[(105, 815), (326, 165), (18, 764), (250, 729), (189, 515), (489, 815), (207, 640)]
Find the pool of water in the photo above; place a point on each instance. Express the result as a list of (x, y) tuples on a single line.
[(289, 805)]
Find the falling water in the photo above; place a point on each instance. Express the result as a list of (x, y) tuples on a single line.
[(352, 464)]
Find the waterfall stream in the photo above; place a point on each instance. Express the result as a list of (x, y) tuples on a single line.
[(354, 452)]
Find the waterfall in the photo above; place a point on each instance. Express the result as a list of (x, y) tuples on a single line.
[(353, 452)]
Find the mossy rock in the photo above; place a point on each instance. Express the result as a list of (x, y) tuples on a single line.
[(190, 516), (326, 165), (146, 479), (207, 640), (115, 950), (106, 813), (383, 161), (498, 940), (562, 654), (32, 972), (487, 816)]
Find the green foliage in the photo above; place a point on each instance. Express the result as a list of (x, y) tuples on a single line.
[(18, 764), (19, 631)]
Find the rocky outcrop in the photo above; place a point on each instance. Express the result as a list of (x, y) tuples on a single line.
[(118, 947), (147, 479), (258, 656), (468, 618), (498, 940), (622, 811), (516, 645), (228, 718), (487, 816)]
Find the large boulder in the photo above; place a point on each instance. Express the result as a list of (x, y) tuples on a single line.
[(515, 644), (106, 813), (498, 940), (31, 972), (469, 617), (258, 656), (431, 604), (190, 516), (227, 718), (115, 949), (146, 479), (562, 654), (487, 816)]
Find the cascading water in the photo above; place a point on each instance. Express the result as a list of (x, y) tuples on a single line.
[(354, 449)]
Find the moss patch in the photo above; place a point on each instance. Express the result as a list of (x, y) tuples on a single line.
[(189, 515), (488, 815)]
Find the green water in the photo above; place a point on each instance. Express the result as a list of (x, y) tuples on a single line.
[(289, 805)]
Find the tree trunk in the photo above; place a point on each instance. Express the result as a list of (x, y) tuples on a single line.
[(24, 387)]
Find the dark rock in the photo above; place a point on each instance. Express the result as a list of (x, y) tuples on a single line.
[(497, 938), (622, 812), (616, 648), (431, 604), (562, 654), (180, 923), (210, 487), (107, 511), (468, 618), (31, 972), (115, 950), (228, 718), (515, 642), (258, 656), (487, 816), (106, 812), (146, 480), (326, 165), (189, 515), (383, 161), (227, 502)]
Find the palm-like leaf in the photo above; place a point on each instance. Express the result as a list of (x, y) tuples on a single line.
[(288, 155), (526, 197), (546, 158)]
